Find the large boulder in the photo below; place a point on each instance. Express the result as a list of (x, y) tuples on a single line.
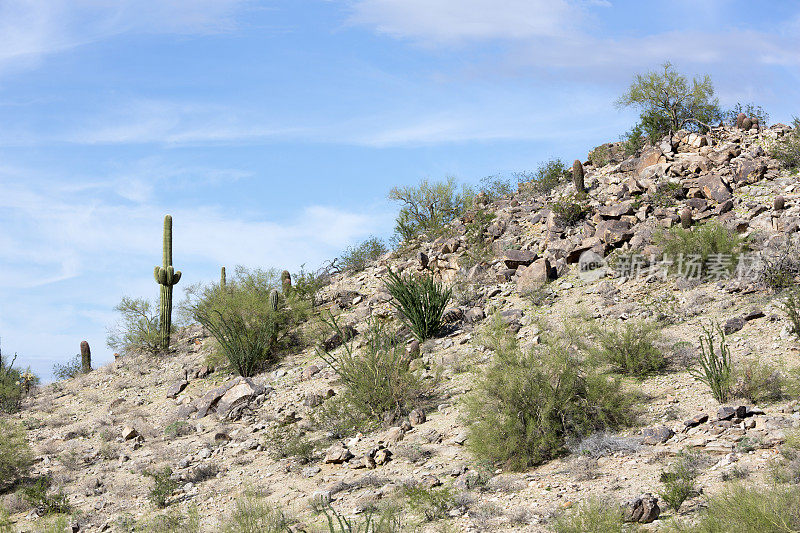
[(643, 509), (714, 188), (541, 271), (516, 258)]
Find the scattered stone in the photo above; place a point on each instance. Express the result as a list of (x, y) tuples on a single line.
[(657, 435), (129, 433), (175, 389), (733, 325), (643, 509), (416, 417), (696, 420), (337, 454)]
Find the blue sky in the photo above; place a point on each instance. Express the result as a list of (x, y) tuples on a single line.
[(272, 130)]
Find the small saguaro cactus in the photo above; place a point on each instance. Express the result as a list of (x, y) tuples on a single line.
[(167, 277), (747, 123), (273, 300), (222, 281), (686, 218), (577, 176), (286, 281), (86, 357), (779, 203), (740, 119)]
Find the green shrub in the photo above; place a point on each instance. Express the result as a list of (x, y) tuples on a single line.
[(666, 194), (427, 207), (284, 442), (590, 516), (6, 525), (377, 378), (254, 515), (786, 468), (41, 498), (338, 418), (478, 246), (760, 382), (494, 188), (716, 367), (179, 428), (679, 480), (548, 175), (600, 156), (570, 208), (15, 453), (715, 248), (15, 384), (528, 405), (387, 520), (356, 258), (249, 332), (787, 150), (631, 347), (172, 522), (306, 286), (791, 306), (430, 504), (68, 370), (741, 509), (421, 301), (163, 486), (137, 330)]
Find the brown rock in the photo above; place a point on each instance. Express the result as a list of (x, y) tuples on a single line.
[(515, 258), (714, 188)]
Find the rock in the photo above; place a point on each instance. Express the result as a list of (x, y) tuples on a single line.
[(714, 188), (696, 420), (175, 389), (643, 509), (616, 210), (238, 396), (309, 372), (129, 433), (340, 337), (750, 171), (779, 203), (474, 315), (539, 272), (657, 435), (513, 259), (382, 456), (733, 325), (726, 412), (417, 417), (614, 232), (413, 349), (337, 454), (452, 315), (649, 157), (394, 434)]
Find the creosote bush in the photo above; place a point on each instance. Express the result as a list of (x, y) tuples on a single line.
[(421, 300), (15, 384), (570, 208), (377, 377), (73, 367), (679, 480), (631, 348), (45, 501), (590, 516), (427, 207), (356, 258), (249, 331), (254, 515), (712, 247), (528, 405), (15, 454), (137, 330), (163, 486)]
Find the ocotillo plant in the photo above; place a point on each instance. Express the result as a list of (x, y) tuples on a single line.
[(222, 277), (577, 176), (86, 357), (166, 276)]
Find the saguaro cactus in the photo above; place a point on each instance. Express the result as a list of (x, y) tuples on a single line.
[(166, 276), (273, 300), (286, 281), (222, 281), (86, 357), (577, 176), (686, 218), (779, 203)]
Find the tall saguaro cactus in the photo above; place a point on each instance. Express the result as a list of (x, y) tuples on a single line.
[(222, 279), (166, 276), (86, 357)]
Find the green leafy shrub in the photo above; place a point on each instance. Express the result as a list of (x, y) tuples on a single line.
[(570, 208), (715, 248), (421, 301), (179, 428), (250, 333), (163, 486), (45, 501), (356, 258), (786, 468), (791, 306), (590, 516), (377, 378), (68, 370), (741, 509), (600, 156), (15, 453), (306, 286), (528, 405), (431, 504), (760, 382), (631, 348), (284, 442), (6, 526), (338, 418), (494, 188), (172, 521), (427, 207), (787, 150), (478, 246), (387, 520), (666, 194), (716, 367), (254, 515), (679, 480), (137, 330), (548, 175)]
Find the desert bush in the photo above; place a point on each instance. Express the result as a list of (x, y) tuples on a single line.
[(600, 156), (15, 384), (547, 176), (15, 453), (73, 367), (760, 382), (356, 258), (791, 306), (338, 418), (590, 516), (631, 348), (428, 207), (429, 503), (741, 509), (249, 332), (163, 486), (254, 515), (137, 329), (179, 428), (287, 441), (714, 249), (45, 501), (377, 378), (570, 208), (716, 367), (173, 521), (666, 194), (527, 406), (421, 301), (6, 525), (679, 479), (786, 468), (493, 188), (749, 110), (478, 246), (603, 444), (386, 520), (787, 150), (307, 284)]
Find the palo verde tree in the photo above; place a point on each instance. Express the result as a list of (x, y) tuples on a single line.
[(427, 207), (668, 102)]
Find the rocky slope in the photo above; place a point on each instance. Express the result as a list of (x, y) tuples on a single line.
[(97, 433)]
